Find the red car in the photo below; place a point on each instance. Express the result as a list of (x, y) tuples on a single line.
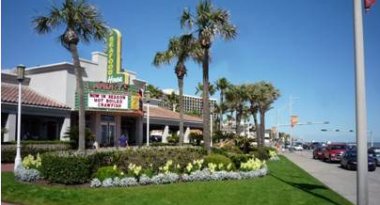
[(318, 152), (334, 152)]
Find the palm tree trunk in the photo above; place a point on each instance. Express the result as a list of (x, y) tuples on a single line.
[(206, 106), (256, 126), (180, 86), (262, 128), (80, 91), (238, 119), (221, 111)]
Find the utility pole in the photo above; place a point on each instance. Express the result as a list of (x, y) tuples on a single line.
[(361, 110)]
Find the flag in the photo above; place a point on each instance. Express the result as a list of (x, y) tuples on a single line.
[(368, 4)]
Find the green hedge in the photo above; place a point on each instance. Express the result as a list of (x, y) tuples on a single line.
[(69, 169), (218, 159), (155, 157), (8, 151)]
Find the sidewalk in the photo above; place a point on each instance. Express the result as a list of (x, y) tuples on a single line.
[(7, 167), (338, 179)]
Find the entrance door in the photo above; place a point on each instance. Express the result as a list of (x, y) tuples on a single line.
[(108, 133)]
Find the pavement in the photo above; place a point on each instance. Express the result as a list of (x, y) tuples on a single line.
[(338, 179)]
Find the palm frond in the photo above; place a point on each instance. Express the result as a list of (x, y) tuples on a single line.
[(186, 19)]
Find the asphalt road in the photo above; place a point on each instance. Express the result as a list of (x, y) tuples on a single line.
[(338, 179)]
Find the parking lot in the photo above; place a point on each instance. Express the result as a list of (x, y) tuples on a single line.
[(338, 179)]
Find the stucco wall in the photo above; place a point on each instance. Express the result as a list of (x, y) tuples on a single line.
[(51, 84)]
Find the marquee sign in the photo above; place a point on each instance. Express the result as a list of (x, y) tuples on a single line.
[(110, 96), (99, 100), (114, 73)]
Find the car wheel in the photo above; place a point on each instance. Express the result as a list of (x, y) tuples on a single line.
[(349, 167)]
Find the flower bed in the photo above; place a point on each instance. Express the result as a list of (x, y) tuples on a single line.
[(168, 178), (131, 167)]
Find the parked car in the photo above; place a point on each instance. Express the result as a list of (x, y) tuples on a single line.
[(334, 152), (375, 153), (298, 147), (318, 152), (349, 161)]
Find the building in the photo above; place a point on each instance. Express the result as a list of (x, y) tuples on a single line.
[(113, 101), (191, 104)]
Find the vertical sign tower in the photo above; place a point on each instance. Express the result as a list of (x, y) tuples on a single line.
[(114, 72)]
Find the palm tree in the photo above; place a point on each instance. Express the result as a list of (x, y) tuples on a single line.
[(181, 49), (252, 97), (173, 100), (236, 98), (199, 89), (82, 21), (221, 84), (155, 92), (267, 94), (209, 23)]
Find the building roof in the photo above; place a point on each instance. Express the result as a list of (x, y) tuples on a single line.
[(162, 113), (9, 94)]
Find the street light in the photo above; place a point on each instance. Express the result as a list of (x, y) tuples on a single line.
[(20, 79), (147, 116)]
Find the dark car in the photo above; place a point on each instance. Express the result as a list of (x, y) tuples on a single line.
[(375, 153), (318, 152), (349, 161), (334, 152)]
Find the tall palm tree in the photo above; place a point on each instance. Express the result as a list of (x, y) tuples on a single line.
[(235, 99), (221, 84), (208, 22), (181, 49), (155, 92), (252, 97), (81, 21), (267, 94), (199, 89)]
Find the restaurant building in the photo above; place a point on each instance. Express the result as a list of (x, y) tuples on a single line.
[(113, 101)]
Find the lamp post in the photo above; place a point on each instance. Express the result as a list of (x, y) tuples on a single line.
[(20, 79), (147, 116)]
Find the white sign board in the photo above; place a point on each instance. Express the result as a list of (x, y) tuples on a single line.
[(114, 101)]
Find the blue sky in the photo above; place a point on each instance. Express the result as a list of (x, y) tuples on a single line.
[(305, 48)]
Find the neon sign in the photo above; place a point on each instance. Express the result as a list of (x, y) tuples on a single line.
[(114, 73)]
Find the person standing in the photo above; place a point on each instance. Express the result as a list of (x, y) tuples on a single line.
[(123, 140)]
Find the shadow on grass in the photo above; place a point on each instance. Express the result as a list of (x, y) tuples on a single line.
[(308, 188)]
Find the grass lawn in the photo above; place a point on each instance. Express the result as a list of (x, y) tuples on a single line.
[(285, 184)]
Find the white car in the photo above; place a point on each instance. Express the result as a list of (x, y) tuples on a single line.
[(298, 147)]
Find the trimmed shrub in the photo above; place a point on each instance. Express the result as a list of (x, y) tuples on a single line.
[(68, 169), (73, 134), (237, 159), (218, 159), (262, 153), (101, 159), (174, 139), (8, 151), (107, 172), (154, 157)]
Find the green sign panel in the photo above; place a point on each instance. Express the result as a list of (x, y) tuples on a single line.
[(114, 73)]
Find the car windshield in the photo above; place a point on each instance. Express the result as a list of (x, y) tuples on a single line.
[(338, 147), (377, 151)]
